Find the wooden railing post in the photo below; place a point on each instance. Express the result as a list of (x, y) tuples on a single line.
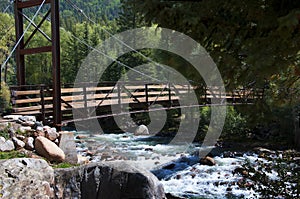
[(189, 92), (205, 95), (146, 94), (119, 93), (84, 97), (170, 97), (42, 96)]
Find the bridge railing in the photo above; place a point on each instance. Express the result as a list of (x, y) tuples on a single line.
[(37, 100)]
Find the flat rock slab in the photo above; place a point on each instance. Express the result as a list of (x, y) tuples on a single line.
[(68, 145)]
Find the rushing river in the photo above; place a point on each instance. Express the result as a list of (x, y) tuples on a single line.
[(175, 165)]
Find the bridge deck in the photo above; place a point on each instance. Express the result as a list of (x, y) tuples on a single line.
[(38, 100)]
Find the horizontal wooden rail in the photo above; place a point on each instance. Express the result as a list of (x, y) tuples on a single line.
[(37, 100)]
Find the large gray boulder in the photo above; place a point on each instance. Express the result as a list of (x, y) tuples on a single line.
[(112, 180), (34, 178), (26, 178)]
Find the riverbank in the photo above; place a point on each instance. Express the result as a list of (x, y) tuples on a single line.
[(178, 167)]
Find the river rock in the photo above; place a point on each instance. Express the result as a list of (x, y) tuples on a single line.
[(48, 149), (170, 196), (37, 124), (28, 123), (68, 145), (6, 145), (79, 137), (20, 137), (26, 178), (28, 118), (11, 132), (142, 130), (51, 134), (110, 180), (24, 129), (39, 132), (228, 154), (18, 143), (241, 171), (207, 161), (29, 143), (264, 150), (12, 117), (82, 159)]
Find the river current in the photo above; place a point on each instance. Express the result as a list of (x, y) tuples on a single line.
[(176, 166)]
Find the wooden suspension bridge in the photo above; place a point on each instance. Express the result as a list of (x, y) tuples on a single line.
[(58, 103)]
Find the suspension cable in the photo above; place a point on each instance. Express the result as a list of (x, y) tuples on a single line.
[(15, 47), (107, 56), (113, 36), (7, 7), (113, 59)]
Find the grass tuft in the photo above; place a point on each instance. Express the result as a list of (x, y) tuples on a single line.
[(11, 155)]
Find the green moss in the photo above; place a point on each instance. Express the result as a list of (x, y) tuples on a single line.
[(11, 154), (64, 165), (4, 132)]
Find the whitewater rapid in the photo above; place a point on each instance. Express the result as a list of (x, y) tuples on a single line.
[(176, 166)]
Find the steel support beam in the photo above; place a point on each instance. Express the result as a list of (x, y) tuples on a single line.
[(30, 3), (56, 63), (53, 48), (30, 51), (20, 59), (37, 28)]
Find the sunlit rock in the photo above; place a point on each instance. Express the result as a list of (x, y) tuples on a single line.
[(49, 150), (142, 130)]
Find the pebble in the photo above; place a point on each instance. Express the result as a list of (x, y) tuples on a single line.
[(178, 176), (193, 175), (148, 149), (229, 189), (79, 137), (20, 137)]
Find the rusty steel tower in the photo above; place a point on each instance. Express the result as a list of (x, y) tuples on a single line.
[(53, 47)]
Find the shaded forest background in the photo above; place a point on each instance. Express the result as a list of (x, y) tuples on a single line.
[(254, 43)]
